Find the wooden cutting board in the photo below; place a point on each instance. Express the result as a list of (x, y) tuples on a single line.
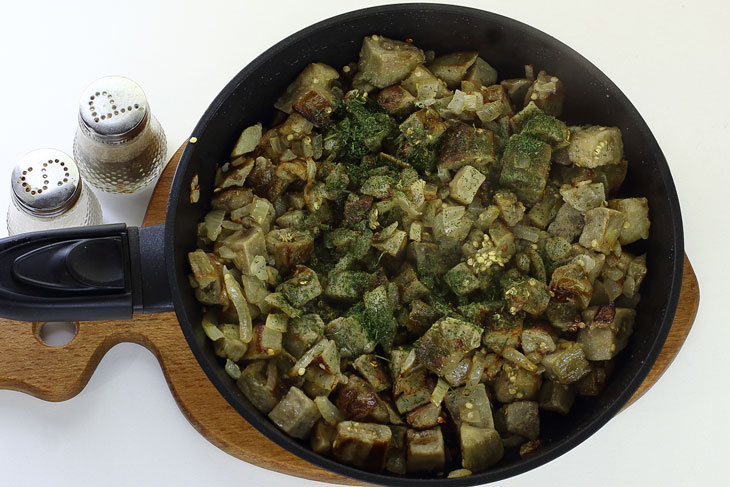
[(59, 373)]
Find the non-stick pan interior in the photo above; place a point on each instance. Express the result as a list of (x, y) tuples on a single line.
[(508, 46)]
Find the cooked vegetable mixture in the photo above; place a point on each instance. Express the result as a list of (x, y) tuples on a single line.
[(419, 260)]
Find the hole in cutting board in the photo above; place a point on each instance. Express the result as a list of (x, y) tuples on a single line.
[(57, 333)]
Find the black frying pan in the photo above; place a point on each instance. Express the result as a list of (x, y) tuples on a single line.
[(109, 272)]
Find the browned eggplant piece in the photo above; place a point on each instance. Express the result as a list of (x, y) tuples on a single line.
[(362, 445)]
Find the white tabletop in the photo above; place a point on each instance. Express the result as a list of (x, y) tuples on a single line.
[(124, 428)]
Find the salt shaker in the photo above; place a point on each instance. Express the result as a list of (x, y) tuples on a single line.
[(120, 146), (47, 193)]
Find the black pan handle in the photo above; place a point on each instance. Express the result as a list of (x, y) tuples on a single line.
[(106, 272)]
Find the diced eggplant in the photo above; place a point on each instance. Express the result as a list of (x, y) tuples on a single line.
[(319, 382), (584, 195), (568, 223), (592, 384), (461, 280), (446, 343), (593, 146), (515, 383), (246, 244), (557, 397), (424, 417), (374, 371), (395, 100), (208, 275), (346, 286), (278, 301), (322, 437), (452, 68), (567, 364), (358, 401), (481, 74), (465, 184), (472, 409), (522, 418), (424, 126), (518, 120), (636, 213), (362, 445), (480, 447), (412, 389), (231, 199), (423, 85), (310, 94), (496, 337), (548, 93), (265, 343), (510, 208), (548, 129), (303, 287), (635, 273), (602, 229), (295, 414), (545, 210), (303, 332), (563, 316), (384, 61), (516, 88), (395, 461), (230, 345), (259, 386), (463, 145), (570, 284), (607, 331), (525, 167), (497, 93), (426, 451), (289, 247), (351, 337), (528, 295), (421, 317)]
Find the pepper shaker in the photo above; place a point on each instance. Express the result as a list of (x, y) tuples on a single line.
[(47, 193), (120, 146)]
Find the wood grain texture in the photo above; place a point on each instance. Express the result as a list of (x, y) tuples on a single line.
[(59, 373)]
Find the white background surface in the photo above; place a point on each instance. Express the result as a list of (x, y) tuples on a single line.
[(124, 428)]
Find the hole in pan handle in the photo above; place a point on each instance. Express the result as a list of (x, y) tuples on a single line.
[(106, 272)]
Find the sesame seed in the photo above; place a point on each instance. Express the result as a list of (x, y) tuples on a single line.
[(346, 69), (469, 405), (301, 371), (193, 140), (626, 224), (533, 96)]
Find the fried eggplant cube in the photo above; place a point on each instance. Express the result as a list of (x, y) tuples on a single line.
[(303, 287), (463, 145), (426, 451), (384, 61), (602, 229), (256, 386), (470, 407), (302, 333), (525, 167), (636, 211), (351, 337), (607, 331), (295, 414), (522, 418), (452, 67), (593, 146), (480, 447), (446, 343), (362, 445), (567, 364), (557, 397)]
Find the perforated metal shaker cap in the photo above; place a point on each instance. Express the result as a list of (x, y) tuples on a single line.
[(46, 182), (113, 109)]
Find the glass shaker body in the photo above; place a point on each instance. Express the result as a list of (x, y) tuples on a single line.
[(120, 147), (47, 193)]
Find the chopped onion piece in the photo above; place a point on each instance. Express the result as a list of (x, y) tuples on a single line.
[(232, 369), (214, 223), (329, 411), (258, 267), (439, 392), (476, 370), (235, 293), (210, 326), (518, 358), (301, 365), (408, 362)]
